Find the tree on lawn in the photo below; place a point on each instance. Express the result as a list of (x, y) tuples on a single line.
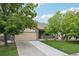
[(54, 24), (70, 24), (67, 23), (15, 17)]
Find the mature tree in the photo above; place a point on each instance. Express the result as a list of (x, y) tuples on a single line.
[(67, 23), (70, 25), (15, 17), (54, 23), (77, 23)]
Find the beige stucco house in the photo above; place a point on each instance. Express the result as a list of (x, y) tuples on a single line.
[(30, 34)]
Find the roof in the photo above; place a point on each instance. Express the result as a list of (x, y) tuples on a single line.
[(41, 25), (29, 30)]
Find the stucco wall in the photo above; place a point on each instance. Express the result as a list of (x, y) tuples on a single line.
[(26, 36)]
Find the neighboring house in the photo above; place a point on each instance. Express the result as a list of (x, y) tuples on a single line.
[(30, 34)]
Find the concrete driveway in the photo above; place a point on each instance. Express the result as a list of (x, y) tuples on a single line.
[(37, 48), (25, 48)]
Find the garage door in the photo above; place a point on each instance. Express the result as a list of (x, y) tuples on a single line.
[(26, 36)]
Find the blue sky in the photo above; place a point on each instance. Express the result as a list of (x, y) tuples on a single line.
[(46, 10)]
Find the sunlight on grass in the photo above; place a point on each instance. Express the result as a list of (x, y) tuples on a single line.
[(8, 50), (69, 47)]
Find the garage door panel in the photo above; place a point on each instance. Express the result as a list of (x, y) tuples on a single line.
[(26, 36)]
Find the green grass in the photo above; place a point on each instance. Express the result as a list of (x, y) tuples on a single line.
[(10, 50), (69, 47)]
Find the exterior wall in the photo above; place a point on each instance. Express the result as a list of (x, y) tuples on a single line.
[(27, 35)]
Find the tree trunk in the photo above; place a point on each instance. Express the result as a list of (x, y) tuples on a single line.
[(66, 38), (5, 39), (13, 38)]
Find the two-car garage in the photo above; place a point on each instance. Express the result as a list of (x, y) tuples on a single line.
[(27, 35), (30, 34)]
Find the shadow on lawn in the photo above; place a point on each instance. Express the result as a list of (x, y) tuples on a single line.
[(76, 42)]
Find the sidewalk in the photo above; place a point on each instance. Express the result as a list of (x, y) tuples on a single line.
[(36, 48), (27, 49), (49, 51)]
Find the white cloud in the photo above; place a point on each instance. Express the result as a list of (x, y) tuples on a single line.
[(46, 16), (63, 11), (71, 9), (43, 18)]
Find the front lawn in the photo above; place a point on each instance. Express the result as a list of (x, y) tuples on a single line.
[(10, 50), (69, 47)]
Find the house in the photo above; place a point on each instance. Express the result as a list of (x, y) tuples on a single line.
[(30, 34)]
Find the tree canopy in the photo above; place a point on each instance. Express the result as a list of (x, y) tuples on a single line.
[(53, 26), (67, 23), (16, 17)]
